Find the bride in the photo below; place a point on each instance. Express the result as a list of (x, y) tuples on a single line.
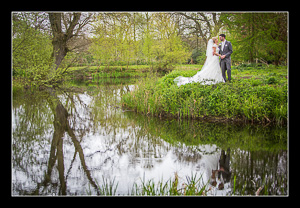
[(210, 72)]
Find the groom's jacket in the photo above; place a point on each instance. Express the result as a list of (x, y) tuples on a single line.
[(227, 50)]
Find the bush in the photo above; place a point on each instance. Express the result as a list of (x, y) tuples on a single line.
[(271, 80)]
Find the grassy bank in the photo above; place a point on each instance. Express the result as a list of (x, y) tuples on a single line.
[(94, 72), (256, 94), (97, 72)]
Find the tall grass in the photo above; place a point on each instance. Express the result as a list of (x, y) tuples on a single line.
[(252, 99), (193, 185), (108, 188)]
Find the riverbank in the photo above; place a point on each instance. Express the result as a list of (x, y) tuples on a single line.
[(97, 72), (256, 94)]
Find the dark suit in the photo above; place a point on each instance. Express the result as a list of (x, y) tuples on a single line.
[(225, 63), (224, 165)]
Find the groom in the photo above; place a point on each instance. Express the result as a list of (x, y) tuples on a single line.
[(225, 51)]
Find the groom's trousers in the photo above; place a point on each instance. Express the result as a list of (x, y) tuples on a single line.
[(226, 65)]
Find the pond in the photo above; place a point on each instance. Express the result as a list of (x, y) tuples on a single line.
[(75, 141)]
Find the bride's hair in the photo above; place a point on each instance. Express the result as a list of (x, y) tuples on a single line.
[(214, 39)]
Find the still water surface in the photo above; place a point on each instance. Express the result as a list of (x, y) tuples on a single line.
[(68, 142)]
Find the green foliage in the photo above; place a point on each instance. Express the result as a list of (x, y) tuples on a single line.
[(191, 187), (155, 39), (198, 56), (31, 52), (263, 100), (257, 36), (134, 37), (108, 188)]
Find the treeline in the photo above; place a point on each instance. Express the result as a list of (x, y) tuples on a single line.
[(138, 38), (45, 45), (177, 37)]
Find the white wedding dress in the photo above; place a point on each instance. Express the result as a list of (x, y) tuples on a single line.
[(210, 72)]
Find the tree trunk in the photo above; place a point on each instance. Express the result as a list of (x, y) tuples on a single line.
[(59, 49), (277, 57), (60, 38), (251, 33)]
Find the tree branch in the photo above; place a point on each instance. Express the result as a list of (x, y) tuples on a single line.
[(74, 22)]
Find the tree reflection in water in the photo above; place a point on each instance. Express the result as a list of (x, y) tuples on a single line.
[(66, 141)]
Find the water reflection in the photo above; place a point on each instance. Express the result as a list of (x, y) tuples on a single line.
[(256, 156), (222, 175), (66, 141)]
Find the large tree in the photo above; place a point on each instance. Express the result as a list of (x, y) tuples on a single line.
[(204, 24), (60, 38), (64, 27)]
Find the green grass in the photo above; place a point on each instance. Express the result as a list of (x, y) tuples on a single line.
[(108, 188), (102, 68), (192, 186), (254, 95), (97, 72)]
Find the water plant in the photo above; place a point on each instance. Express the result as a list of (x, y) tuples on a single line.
[(192, 186), (108, 188)]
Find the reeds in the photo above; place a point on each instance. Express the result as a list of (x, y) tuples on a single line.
[(192, 186)]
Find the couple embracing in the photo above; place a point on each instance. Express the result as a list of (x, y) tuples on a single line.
[(217, 62)]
